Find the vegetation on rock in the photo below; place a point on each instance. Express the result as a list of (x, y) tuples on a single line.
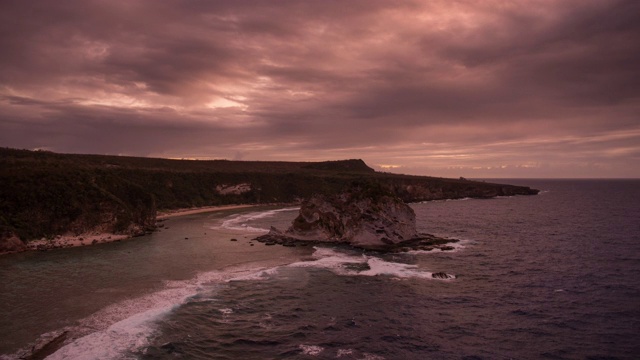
[(44, 194), (365, 216)]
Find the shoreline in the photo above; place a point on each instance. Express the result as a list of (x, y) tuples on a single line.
[(163, 215), (67, 241), (94, 238)]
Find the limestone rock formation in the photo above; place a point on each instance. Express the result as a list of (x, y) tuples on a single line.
[(355, 218), (364, 217)]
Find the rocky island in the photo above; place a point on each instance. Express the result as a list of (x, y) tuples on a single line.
[(365, 216)]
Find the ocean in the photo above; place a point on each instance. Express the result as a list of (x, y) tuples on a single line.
[(551, 276)]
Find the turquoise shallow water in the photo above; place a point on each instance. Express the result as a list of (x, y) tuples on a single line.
[(550, 276)]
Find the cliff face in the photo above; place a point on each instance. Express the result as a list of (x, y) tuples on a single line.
[(48, 201), (355, 218)]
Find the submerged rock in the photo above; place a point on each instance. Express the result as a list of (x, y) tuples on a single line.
[(46, 345), (11, 243), (442, 275)]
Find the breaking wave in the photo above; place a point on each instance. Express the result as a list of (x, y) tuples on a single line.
[(120, 329), (342, 263), (246, 222)]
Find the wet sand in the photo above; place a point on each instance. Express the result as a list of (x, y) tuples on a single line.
[(190, 211)]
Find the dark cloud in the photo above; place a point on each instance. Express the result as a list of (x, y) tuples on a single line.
[(440, 87)]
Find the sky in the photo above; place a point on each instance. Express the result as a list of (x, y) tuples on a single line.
[(480, 89)]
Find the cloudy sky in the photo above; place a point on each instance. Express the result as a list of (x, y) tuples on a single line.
[(445, 88)]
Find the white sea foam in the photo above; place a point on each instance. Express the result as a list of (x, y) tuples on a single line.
[(331, 259), (361, 265), (115, 341), (381, 267), (259, 274), (123, 327), (344, 352), (457, 246), (311, 350), (367, 356), (241, 221)]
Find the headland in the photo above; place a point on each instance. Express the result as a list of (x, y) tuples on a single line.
[(48, 196)]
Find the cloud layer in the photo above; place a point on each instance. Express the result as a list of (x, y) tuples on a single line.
[(448, 88)]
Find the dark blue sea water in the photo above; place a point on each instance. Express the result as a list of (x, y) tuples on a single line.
[(551, 276)]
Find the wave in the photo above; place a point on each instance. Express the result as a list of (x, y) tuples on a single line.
[(122, 328), (316, 350), (241, 221), (119, 329), (119, 338), (363, 265), (311, 350), (457, 246)]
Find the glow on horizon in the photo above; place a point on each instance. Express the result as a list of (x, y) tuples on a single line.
[(442, 88)]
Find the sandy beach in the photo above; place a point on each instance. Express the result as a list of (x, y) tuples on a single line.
[(66, 241), (190, 211)]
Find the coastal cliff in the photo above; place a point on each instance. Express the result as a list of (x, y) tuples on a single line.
[(44, 194), (358, 217), (48, 202), (366, 216)]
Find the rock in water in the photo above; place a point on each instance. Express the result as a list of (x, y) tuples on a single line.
[(11, 243), (365, 218), (442, 275)]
